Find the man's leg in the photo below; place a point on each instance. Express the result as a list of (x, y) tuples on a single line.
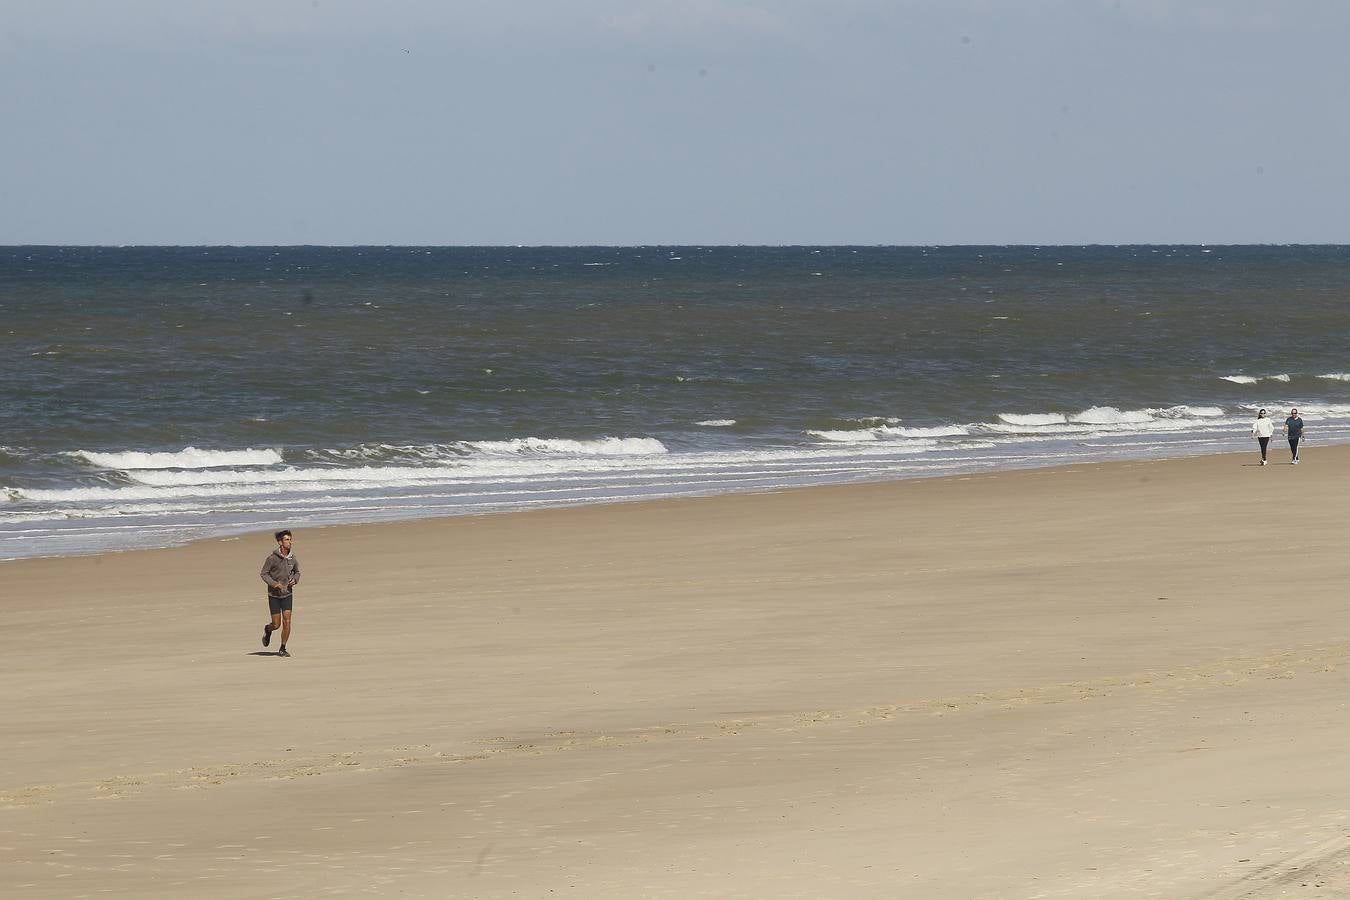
[(285, 626), (271, 627)]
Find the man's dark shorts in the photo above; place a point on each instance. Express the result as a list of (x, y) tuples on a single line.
[(277, 604)]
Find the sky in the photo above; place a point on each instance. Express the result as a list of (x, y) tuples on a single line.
[(622, 122)]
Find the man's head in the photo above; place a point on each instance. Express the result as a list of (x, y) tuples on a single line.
[(284, 540), (1293, 414)]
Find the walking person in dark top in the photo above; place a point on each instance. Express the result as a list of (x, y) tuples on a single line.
[(1293, 428), (281, 572)]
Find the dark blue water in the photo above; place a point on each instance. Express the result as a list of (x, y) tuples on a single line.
[(155, 394)]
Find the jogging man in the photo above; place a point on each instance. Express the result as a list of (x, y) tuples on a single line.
[(281, 571)]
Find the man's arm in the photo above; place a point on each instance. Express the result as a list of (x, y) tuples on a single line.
[(267, 574), (295, 571)]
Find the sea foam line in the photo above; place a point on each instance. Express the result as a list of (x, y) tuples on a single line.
[(187, 458)]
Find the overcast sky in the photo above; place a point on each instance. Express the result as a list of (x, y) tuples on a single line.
[(703, 122)]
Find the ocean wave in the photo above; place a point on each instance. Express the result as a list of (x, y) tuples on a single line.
[(1104, 420), (376, 452), (1188, 412), (187, 458), (1314, 409), (1090, 429), (717, 423), (851, 435), (1253, 379), (1032, 419), (1093, 420), (1331, 376), (933, 432), (872, 436), (1109, 415), (883, 432), (433, 454), (335, 483), (609, 446)]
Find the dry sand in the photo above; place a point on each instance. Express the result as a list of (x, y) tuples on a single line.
[(1123, 680)]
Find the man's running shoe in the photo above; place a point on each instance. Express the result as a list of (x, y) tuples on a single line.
[(267, 635), (283, 652)]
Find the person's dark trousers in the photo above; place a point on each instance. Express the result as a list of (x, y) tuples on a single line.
[(1264, 442), (1293, 447)]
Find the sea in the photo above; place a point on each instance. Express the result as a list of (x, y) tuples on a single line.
[(151, 396)]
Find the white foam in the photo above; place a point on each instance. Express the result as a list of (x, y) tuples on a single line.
[(717, 423), (1032, 419), (874, 435), (1336, 376), (934, 432), (287, 476), (337, 483), (1183, 412), (165, 483), (1109, 415), (850, 436), (518, 447), (608, 446), (1131, 424), (187, 458), (1249, 379), (420, 452), (1036, 431), (1102, 420)]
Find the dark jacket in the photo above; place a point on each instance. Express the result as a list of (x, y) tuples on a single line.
[(280, 568)]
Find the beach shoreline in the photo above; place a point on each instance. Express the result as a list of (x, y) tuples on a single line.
[(164, 530), (1102, 679)]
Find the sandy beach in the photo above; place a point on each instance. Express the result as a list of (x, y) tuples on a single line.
[(1115, 680)]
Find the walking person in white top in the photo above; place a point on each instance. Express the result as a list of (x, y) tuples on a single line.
[(1262, 429)]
